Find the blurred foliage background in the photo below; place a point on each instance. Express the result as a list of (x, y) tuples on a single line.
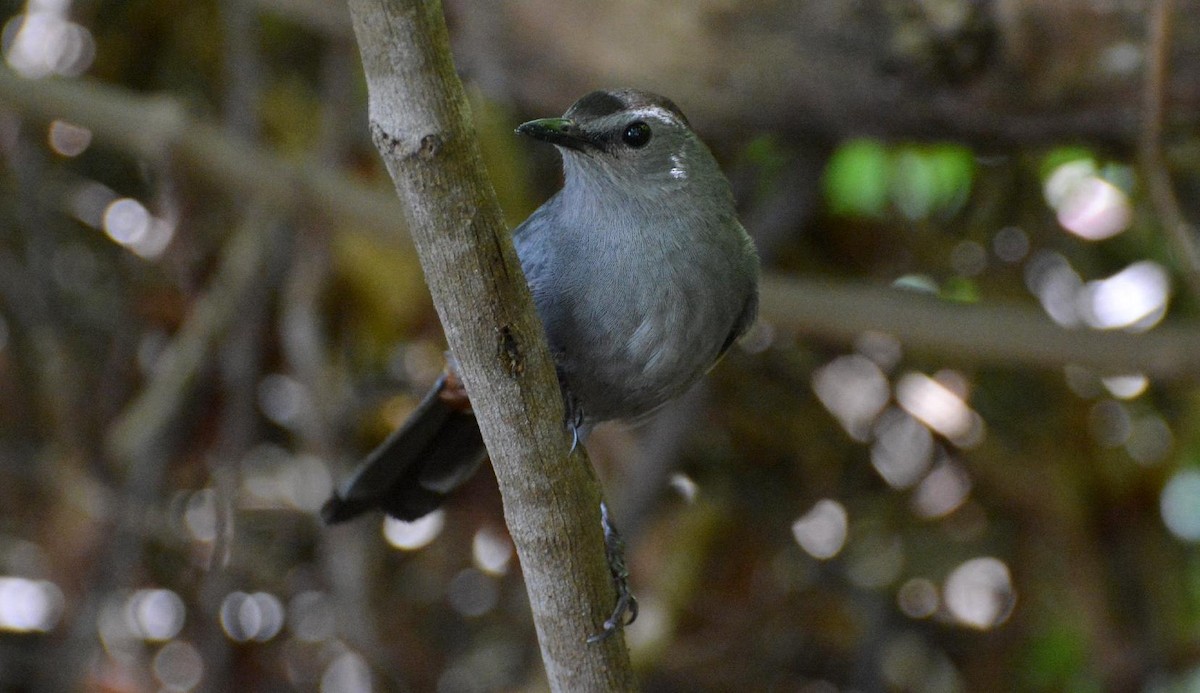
[(206, 317)]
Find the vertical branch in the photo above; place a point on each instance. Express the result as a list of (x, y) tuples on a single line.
[(1180, 233), (419, 121)]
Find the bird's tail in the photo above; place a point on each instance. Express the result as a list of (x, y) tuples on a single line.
[(437, 449)]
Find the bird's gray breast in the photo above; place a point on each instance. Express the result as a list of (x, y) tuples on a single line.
[(633, 320)]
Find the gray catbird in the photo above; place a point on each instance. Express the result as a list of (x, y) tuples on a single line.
[(642, 277)]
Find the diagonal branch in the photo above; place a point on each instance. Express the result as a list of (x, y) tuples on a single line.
[(158, 129), (240, 272), (419, 121), (1181, 235)]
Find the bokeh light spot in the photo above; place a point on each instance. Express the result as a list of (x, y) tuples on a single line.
[(968, 258), (414, 535), (1180, 505), (882, 348), (929, 179), (856, 178), (348, 673), (1057, 285), (28, 606), (126, 221), (492, 551), (908, 663), (1110, 423), (1134, 298), (918, 598), (940, 408), (68, 139), (310, 616), (1122, 59), (1010, 244), (1126, 386), (854, 390), (307, 483), (89, 201), (979, 592), (1086, 204), (178, 666), (685, 486), (155, 614), (822, 530), (44, 42), (903, 449), (1150, 440), (941, 492), (258, 616), (200, 515), (284, 400)]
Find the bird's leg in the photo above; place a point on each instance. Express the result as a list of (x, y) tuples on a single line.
[(626, 610)]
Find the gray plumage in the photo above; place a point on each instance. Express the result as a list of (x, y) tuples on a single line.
[(641, 274)]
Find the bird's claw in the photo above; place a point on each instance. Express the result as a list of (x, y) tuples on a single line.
[(625, 613), (626, 610), (574, 422), (574, 438)]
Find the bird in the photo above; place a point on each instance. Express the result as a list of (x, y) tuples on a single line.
[(642, 277)]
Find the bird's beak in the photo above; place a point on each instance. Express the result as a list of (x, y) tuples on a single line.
[(560, 131)]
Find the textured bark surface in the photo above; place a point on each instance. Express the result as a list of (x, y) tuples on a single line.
[(419, 121)]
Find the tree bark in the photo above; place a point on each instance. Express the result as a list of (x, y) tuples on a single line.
[(419, 120)]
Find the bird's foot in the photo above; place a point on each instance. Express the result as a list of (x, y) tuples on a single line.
[(626, 610)]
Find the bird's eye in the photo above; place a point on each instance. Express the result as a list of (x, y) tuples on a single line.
[(637, 134)]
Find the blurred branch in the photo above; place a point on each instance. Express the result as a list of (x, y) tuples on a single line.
[(155, 128), (1180, 233), (420, 122), (655, 457), (137, 439), (158, 128), (329, 18), (242, 266), (244, 71), (26, 291), (993, 333)]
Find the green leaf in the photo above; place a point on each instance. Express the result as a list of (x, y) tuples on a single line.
[(856, 179), (1063, 155)]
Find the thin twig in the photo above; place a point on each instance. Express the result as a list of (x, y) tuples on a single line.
[(158, 129), (242, 265), (1180, 233)]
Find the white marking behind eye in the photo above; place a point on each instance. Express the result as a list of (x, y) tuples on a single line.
[(642, 342), (678, 171)]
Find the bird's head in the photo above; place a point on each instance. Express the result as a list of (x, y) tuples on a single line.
[(635, 140)]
